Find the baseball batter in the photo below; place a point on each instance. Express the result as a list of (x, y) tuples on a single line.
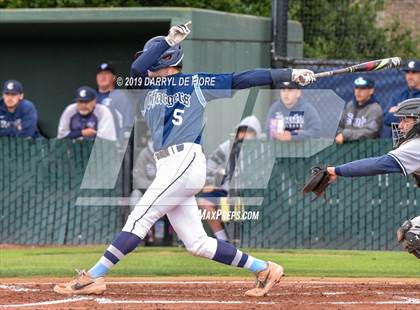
[(173, 108), (404, 158)]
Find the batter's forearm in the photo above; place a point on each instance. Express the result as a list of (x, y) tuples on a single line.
[(260, 77), (281, 75), (369, 167)]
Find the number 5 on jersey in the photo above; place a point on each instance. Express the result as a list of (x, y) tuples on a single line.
[(177, 120)]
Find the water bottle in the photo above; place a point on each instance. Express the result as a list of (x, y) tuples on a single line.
[(273, 127), (279, 122)]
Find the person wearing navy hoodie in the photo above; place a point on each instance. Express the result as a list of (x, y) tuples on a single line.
[(362, 116), (412, 77), (18, 116)]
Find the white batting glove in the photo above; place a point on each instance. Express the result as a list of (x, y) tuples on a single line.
[(303, 77), (177, 34)]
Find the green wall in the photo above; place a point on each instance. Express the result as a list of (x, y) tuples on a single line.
[(54, 51)]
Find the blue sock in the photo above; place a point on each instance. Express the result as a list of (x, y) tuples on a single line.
[(257, 265), (123, 244), (227, 254)]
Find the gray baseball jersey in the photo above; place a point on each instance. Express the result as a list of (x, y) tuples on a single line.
[(408, 156), (415, 229)]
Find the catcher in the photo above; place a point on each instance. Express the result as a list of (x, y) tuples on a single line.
[(404, 158)]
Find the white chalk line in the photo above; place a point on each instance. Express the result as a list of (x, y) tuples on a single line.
[(405, 301), (151, 282), (334, 293), (15, 288), (317, 293), (179, 282), (47, 303), (226, 302), (110, 301), (23, 289)]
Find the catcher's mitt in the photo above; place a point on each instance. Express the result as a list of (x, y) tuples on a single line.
[(318, 182)]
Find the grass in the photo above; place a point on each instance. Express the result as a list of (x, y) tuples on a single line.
[(61, 262)]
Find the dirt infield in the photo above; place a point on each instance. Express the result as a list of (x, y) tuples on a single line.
[(216, 293)]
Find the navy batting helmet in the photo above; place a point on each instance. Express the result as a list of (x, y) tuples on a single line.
[(172, 57)]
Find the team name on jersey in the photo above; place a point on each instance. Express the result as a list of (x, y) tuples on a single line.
[(7, 124), (155, 97), (295, 120), (355, 121)]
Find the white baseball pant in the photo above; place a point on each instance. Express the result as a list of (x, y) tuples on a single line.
[(179, 177)]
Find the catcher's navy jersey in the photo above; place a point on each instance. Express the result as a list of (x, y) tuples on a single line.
[(174, 112)]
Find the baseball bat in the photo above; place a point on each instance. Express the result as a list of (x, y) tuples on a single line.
[(374, 65)]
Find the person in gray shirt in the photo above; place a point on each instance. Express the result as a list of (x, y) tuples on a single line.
[(362, 116), (144, 170), (299, 119)]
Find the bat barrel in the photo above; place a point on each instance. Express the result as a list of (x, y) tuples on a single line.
[(375, 65)]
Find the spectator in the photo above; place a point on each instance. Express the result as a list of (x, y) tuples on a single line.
[(412, 77), (116, 100), (220, 168), (144, 170), (291, 118), (85, 119), (18, 116), (105, 79), (362, 116)]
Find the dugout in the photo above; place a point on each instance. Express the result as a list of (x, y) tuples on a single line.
[(54, 51)]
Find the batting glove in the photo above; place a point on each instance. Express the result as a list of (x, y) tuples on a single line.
[(177, 34), (303, 76)]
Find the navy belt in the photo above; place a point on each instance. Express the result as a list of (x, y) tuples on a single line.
[(173, 149)]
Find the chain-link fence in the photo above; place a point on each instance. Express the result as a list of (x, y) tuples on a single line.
[(357, 213), (40, 182)]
